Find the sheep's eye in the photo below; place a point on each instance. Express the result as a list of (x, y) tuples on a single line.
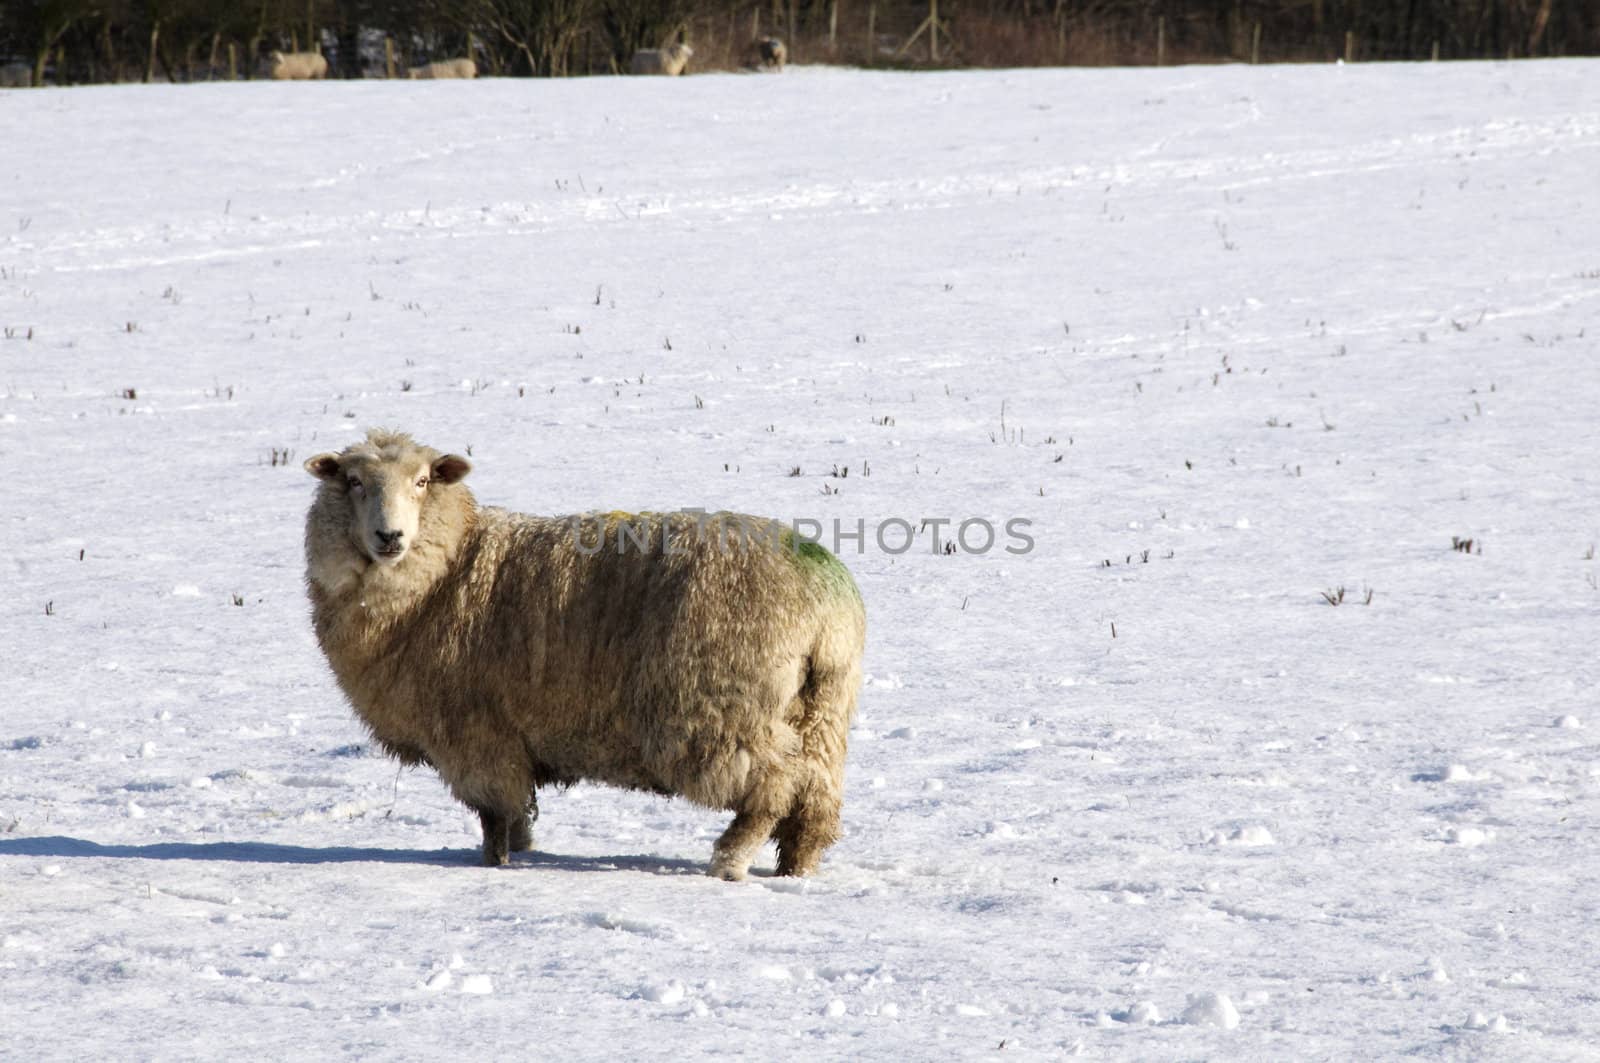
[(422, 483)]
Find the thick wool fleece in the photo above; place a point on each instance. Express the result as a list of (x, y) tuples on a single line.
[(707, 658)]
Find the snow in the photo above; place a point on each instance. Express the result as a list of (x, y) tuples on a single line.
[(1211, 1009), (1230, 338)]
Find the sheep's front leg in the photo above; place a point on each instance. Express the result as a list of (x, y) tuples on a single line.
[(521, 831), (496, 836)]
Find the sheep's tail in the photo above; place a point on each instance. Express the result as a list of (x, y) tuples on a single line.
[(832, 678)]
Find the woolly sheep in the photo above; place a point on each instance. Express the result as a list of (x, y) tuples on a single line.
[(670, 60), (714, 658), (16, 76), (765, 53), (445, 68), (297, 66)]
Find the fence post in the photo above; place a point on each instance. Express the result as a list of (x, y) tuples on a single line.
[(872, 33), (833, 26), (388, 57), (1255, 45), (1435, 51), (1349, 46), (233, 61), (1161, 41), (933, 30)]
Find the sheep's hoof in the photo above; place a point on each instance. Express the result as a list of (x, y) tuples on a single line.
[(521, 838), (495, 858), (795, 871), (727, 872)]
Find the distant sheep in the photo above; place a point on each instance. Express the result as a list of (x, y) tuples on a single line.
[(670, 60), (16, 76), (717, 658), (765, 53), (445, 68), (297, 66)]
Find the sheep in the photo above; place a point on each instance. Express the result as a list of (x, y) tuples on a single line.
[(297, 66), (16, 76), (670, 60), (445, 68), (713, 658), (765, 53)]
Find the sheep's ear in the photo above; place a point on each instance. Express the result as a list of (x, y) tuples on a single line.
[(450, 468), (323, 466)]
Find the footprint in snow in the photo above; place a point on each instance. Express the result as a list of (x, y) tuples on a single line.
[(1248, 836), (1479, 1021), (1452, 773), (1466, 837), (1143, 1013), (670, 992)]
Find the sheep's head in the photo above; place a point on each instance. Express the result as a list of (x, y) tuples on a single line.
[(385, 485)]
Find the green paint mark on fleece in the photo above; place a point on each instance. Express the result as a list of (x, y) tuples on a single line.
[(809, 553), (816, 553)]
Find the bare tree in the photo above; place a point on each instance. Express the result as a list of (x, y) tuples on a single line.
[(41, 26)]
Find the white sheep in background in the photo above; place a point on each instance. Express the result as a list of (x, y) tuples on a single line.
[(765, 53), (670, 60), (715, 658), (445, 68), (297, 66)]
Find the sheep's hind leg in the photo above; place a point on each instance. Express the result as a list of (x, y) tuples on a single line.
[(752, 825), (811, 824), (731, 856), (806, 832)]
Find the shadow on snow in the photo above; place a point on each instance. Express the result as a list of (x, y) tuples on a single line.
[(264, 853)]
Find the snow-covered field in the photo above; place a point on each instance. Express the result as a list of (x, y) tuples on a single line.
[(1230, 338)]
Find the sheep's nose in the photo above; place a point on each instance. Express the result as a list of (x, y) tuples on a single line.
[(389, 538)]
